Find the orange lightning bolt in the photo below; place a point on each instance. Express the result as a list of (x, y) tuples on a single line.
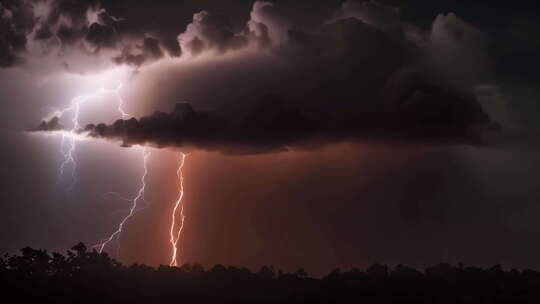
[(179, 205)]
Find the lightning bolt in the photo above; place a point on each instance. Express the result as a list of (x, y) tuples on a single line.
[(140, 195), (121, 102), (174, 238), (71, 135), (68, 148)]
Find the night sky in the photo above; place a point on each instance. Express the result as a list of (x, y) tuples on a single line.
[(316, 134)]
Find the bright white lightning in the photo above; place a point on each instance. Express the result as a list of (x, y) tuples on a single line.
[(140, 195), (68, 154), (68, 146), (121, 102), (71, 136), (175, 237)]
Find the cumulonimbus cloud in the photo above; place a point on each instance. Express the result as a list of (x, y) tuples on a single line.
[(274, 125), (50, 125), (60, 25), (353, 77)]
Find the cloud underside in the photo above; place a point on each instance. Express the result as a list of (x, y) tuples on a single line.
[(273, 126), (354, 73), (50, 125)]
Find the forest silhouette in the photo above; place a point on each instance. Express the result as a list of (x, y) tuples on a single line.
[(84, 276)]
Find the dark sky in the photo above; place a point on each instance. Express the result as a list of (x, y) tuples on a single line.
[(320, 134)]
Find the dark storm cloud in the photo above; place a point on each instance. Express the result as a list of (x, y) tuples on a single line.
[(210, 31), (149, 51), (84, 26), (375, 13), (274, 125), (353, 77), (100, 35), (457, 51), (337, 80), (89, 26), (105, 32), (119, 25), (16, 21), (357, 46), (50, 125), (67, 21)]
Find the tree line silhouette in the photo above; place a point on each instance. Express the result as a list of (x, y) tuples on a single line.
[(83, 276)]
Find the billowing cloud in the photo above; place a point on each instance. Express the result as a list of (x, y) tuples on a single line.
[(209, 31), (16, 21), (276, 22), (352, 77), (62, 27), (372, 12), (149, 50), (50, 125), (457, 52), (83, 24), (275, 125), (494, 103)]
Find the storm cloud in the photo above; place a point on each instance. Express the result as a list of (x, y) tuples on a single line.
[(50, 125), (16, 22), (354, 76), (273, 126), (390, 112), (39, 28)]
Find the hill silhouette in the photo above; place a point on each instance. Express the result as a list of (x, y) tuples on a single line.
[(83, 276)]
